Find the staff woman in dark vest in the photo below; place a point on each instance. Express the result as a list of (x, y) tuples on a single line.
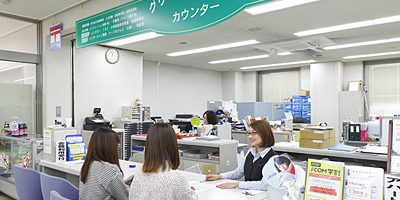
[(261, 139)]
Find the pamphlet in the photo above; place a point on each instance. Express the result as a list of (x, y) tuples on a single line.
[(363, 183), (281, 173), (324, 180)]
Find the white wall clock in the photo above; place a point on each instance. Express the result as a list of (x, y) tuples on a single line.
[(112, 56)]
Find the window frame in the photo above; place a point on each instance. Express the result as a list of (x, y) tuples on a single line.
[(31, 59), (367, 65)]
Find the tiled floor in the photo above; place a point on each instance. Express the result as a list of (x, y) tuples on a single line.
[(5, 197)]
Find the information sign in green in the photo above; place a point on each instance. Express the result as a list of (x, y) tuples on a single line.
[(166, 17)]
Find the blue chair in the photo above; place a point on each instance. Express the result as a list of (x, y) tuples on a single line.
[(62, 186), (27, 183), (54, 195)]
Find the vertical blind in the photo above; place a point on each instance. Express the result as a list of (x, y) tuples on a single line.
[(278, 86), (384, 90)]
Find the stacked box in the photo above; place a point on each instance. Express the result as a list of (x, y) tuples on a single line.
[(305, 99), (301, 107), (317, 139), (288, 107), (296, 99)]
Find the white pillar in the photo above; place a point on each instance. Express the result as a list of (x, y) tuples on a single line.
[(326, 81)]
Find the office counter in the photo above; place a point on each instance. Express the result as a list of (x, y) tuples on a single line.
[(362, 158), (71, 173)]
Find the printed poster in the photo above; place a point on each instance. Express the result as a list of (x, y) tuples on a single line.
[(363, 183), (324, 180)]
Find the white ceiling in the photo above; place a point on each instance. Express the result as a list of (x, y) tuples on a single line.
[(277, 27)]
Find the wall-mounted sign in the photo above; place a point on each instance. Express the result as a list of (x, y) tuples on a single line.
[(55, 37), (166, 17)]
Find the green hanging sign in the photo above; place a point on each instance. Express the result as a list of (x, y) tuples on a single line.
[(166, 17)]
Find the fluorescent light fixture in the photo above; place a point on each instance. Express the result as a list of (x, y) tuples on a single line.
[(279, 64), (362, 44), (213, 48), (284, 53), (372, 55), (276, 5), (238, 59), (350, 26), (13, 67), (135, 38), (22, 79)]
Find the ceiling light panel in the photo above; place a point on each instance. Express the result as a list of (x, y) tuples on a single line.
[(238, 59), (279, 64), (362, 44), (135, 38), (213, 48), (372, 55), (349, 26), (276, 5)]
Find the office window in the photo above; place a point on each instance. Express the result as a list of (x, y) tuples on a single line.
[(384, 89), (278, 86)]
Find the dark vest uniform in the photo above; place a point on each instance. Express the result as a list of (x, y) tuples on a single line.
[(253, 171)]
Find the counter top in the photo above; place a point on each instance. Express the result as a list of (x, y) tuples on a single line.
[(206, 194), (293, 147)]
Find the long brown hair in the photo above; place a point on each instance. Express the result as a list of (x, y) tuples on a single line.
[(103, 146), (161, 149), (263, 129)]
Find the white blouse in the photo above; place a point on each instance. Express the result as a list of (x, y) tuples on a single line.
[(168, 185)]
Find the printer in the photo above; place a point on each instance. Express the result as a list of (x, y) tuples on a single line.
[(183, 121), (92, 123)]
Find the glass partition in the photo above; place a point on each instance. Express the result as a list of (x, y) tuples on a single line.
[(17, 105)]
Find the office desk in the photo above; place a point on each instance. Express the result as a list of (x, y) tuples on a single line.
[(71, 173)]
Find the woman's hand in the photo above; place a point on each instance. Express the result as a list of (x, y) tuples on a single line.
[(213, 177), (128, 181), (228, 185)]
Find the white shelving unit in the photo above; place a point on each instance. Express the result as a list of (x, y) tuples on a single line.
[(227, 150)]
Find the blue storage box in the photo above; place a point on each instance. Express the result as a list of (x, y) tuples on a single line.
[(307, 112), (296, 106), (296, 116), (296, 99), (296, 113), (305, 99), (307, 117), (306, 106), (288, 106)]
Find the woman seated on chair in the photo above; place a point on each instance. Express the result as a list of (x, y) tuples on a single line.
[(262, 139), (158, 178), (101, 176)]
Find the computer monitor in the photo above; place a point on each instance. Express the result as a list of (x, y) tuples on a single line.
[(183, 125), (159, 120)]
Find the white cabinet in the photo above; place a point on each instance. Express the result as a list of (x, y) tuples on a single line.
[(226, 149)]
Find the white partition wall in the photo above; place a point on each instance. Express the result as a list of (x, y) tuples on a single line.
[(170, 89), (109, 86)]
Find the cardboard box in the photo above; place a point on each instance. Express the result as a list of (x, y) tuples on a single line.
[(333, 141), (355, 85), (315, 134), (315, 144), (304, 93), (332, 133)]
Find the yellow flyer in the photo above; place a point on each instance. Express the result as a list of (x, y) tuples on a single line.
[(324, 180)]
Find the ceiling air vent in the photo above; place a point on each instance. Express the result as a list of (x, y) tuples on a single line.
[(183, 42), (254, 29), (318, 55)]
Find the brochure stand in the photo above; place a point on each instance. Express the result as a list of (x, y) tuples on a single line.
[(75, 147)]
